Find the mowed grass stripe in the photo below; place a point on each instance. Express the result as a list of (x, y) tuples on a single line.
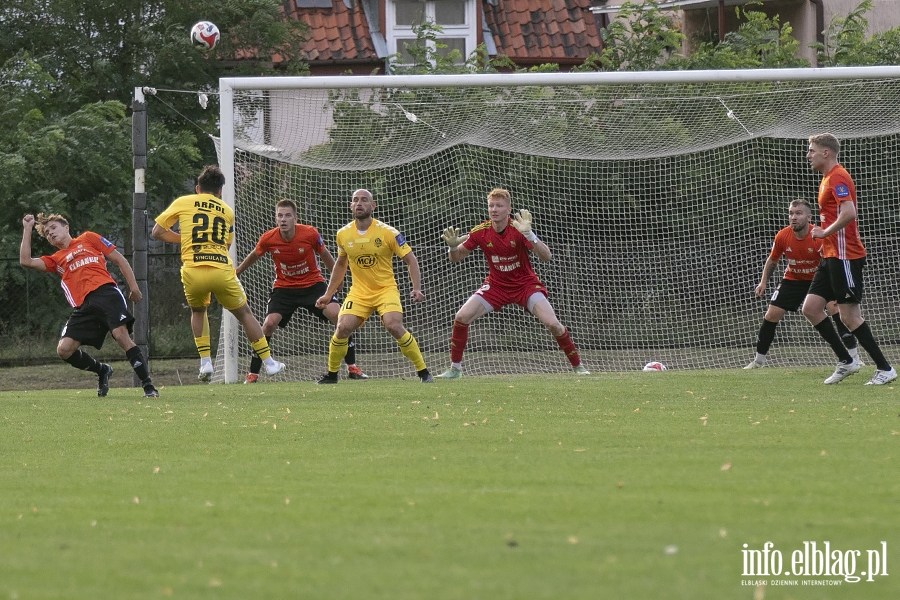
[(625, 485)]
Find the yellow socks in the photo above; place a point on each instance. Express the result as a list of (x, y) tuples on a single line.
[(202, 344), (261, 347), (410, 350), (337, 350)]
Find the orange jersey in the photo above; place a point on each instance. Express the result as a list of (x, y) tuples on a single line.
[(802, 256), (295, 261), (837, 187), (82, 266)]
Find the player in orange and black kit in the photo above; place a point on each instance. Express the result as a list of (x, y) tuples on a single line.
[(839, 276), (802, 253), (506, 243), (298, 280), (98, 303)]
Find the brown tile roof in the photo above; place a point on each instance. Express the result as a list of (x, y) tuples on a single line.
[(337, 33), (528, 31), (535, 31)]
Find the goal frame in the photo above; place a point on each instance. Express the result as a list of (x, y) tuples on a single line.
[(227, 87)]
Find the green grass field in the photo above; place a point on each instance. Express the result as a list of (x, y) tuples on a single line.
[(622, 486)]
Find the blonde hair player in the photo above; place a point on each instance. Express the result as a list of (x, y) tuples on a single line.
[(506, 243), (839, 276)]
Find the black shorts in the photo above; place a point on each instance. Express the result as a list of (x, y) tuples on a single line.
[(790, 294), (103, 310), (284, 301), (839, 280)]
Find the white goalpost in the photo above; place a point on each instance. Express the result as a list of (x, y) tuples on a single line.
[(659, 194)]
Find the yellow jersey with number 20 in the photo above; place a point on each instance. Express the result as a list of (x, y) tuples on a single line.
[(207, 229)]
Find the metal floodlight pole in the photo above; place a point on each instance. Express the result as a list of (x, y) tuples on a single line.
[(139, 231)]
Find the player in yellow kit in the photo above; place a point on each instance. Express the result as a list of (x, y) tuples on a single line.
[(367, 246), (206, 227)]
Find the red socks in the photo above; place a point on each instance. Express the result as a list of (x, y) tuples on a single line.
[(458, 339), (568, 347)]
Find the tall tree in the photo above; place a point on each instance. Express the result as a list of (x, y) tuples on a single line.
[(102, 50), (65, 61), (68, 70)]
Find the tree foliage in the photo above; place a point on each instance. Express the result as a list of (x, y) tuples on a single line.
[(68, 70), (759, 42), (846, 42), (102, 50), (639, 39), (644, 37)]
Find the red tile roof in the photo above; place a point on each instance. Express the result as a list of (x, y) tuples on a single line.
[(527, 31), (537, 31), (337, 34)]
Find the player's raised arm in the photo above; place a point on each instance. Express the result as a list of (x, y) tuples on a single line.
[(522, 221), (25, 258), (456, 251)]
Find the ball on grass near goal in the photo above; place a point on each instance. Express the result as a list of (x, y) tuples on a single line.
[(204, 35), (654, 365)]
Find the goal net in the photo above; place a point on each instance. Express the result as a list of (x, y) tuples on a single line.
[(659, 195)]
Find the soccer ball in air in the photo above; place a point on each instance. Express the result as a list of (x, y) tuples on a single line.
[(654, 366), (204, 35)]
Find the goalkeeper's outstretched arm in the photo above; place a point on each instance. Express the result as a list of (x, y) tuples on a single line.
[(522, 221), (456, 251)]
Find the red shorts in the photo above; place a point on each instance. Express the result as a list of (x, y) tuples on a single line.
[(498, 297)]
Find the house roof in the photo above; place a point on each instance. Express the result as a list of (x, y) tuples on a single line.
[(337, 34), (528, 31), (536, 31)]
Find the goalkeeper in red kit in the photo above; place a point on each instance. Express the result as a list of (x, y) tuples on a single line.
[(506, 243)]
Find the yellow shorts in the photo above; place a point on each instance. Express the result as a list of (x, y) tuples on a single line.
[(200, 282), (363, 306)]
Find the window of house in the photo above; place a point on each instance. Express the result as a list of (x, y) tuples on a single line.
[(457, 18)]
